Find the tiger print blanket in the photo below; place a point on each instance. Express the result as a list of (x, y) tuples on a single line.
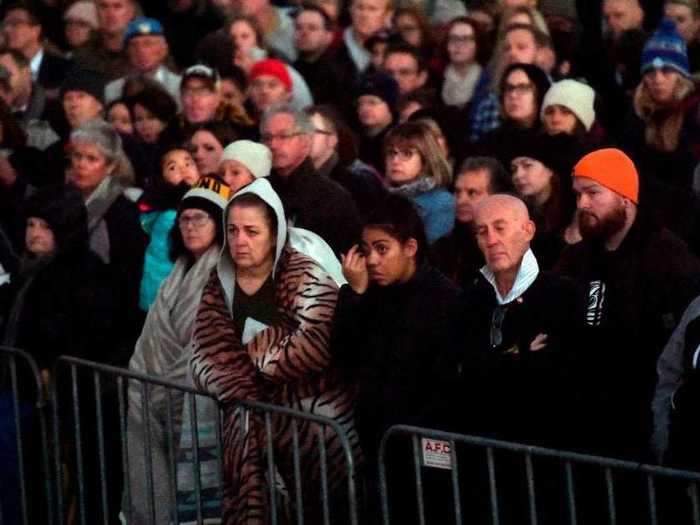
[(286, 365)]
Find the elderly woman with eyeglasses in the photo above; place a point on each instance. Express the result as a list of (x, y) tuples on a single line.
[(416, 168)]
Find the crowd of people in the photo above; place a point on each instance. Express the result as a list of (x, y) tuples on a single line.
[(479, 216)]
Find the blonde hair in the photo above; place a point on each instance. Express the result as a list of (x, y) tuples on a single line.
[(662, 135)]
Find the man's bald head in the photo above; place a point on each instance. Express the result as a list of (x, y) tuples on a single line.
[(507, 203), (622, 15), (503, 231)]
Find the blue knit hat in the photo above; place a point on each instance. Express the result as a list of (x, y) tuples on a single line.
[(666, 48)]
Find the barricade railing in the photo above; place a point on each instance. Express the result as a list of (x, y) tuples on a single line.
[(317, 441), (118, 447), (608, 490), (152, 450), (25, 487)]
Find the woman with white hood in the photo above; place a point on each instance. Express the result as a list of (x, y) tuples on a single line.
[(261, 334), (244, 161)]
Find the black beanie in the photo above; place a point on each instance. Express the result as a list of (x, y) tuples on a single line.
[(559, 152), (381, 85), (63, 208), (87, 81)]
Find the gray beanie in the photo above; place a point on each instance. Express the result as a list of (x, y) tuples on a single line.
[(576, 96), (253, 155)]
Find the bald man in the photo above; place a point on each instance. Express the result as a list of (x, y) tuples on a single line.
[(622, 15), (522, 329), (521, 334)]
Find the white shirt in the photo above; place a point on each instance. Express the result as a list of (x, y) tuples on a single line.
[(527, 273), (35, 63)]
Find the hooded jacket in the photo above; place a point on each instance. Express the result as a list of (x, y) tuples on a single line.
[(286, 363), (54, 312)]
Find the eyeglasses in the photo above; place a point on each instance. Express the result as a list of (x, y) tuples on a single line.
[(196, 221), (460, 39), (400, 153), (518, 89), (269, 137), (496, 336)]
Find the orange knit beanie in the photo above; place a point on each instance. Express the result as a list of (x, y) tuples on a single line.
[(613, 169)]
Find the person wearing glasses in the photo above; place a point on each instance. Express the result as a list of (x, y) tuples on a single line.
[(408, 67), (163, 350), (311, 201), (334, 154), (522, 90), (465, 83), (416, 168)]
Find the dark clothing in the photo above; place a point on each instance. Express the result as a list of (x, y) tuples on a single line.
[(400, 345), (316, 203), (93, 56), (371, 149), (63, 303), (511, 391), (673, 168), (127, 243), (364, 186), (184, 30), (684, 428), (329, 84), (458, 256), (635, 297), (344, 62), (52, 71)]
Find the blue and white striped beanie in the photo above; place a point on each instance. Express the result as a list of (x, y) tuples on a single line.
[(666, 48)]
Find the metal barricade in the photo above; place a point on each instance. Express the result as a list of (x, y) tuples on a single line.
[(25, 487), (169, 477), (344, 503), (587, 489), (118, 447)]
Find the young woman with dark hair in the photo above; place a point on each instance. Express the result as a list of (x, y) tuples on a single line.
[(396, 332)]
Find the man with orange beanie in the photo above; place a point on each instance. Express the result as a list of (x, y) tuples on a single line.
[(638, 278)]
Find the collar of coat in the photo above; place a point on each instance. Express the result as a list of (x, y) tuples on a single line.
[(527, 273)]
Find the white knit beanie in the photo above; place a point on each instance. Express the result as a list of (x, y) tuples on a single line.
[(253, 155), (84, 11), (576, 96)]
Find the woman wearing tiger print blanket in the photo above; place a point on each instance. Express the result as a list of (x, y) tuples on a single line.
[(262, 334)]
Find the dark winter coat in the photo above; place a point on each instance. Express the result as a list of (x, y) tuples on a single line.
[(399, 344), (63, 304), (635, 297), (316, 203), (457, 255), (508, 389)]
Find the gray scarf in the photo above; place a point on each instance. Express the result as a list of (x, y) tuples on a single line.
[(457, 90), (97, 204), (419, 186)]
